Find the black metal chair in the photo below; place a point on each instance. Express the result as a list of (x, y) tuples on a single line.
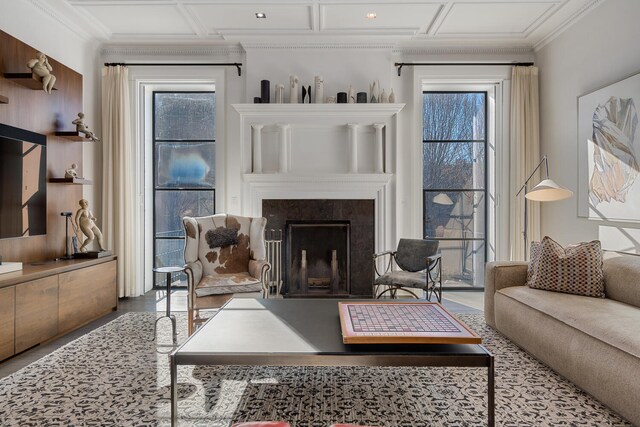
[(420, 268)]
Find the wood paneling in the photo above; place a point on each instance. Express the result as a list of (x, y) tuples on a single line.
[(86, 294), (37, 111), (36, 314), (7, 312)]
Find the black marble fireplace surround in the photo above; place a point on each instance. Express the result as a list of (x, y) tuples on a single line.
[(359, 214)]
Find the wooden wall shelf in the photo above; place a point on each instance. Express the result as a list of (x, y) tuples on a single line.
[(77, 181), (4, 100), (71, 135), (28, 80)]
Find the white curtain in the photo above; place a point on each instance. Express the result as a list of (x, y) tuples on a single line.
[(525, 155), (121, 208)]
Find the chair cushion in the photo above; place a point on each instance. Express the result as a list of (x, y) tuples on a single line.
[(576, 269), (233, 283), (406, 279)]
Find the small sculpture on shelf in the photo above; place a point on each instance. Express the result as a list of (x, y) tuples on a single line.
[(374, 92), (392, 97), (41, 68), (85, 221), (81, 127), (293, 89), (319, 89), (71, 172), (351, 95)]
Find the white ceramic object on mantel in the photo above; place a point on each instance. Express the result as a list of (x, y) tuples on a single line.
[(279, 93), (9, 267), (384, 98), (351, 95), (374, 92), (293, 88), (392, 97), (319, 86)]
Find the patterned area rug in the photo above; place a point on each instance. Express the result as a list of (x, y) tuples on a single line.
[(114, 376)]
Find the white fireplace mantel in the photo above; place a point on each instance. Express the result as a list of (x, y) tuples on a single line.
[(320, 151)]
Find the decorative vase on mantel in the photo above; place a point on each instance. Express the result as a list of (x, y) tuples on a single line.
[(374, 89)]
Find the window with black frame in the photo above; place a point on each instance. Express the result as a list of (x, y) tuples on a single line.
[(454, 183), (184, 148)]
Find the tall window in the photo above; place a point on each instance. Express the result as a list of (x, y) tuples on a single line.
[(184, 169), (454, 183)]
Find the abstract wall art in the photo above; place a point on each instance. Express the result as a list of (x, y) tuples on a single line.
[(609, 152)]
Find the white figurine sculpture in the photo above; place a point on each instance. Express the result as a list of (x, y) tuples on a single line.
[(71, 172), (319, 89), (85, 221), (293, 87), (82, 128), (351, 95), (41, 68), (374, 92)]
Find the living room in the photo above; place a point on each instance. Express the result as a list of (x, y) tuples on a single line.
[(76, 343)]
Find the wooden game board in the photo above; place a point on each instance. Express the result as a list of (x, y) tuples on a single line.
[(402, 323)]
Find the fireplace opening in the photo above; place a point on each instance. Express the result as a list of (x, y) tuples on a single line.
[(355, 270), (317, 258)]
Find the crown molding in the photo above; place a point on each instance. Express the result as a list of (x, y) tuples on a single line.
[(70, 24), (176, 50), (463, 50), (568, 23), (318, 45)]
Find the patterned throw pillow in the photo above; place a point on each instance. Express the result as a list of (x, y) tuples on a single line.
[(534, 254), (576, 269)]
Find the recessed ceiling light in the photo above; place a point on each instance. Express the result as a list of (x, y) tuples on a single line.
[(371, 15), (261, 15)]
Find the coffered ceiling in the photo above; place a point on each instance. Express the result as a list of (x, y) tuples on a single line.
[(496, 22)]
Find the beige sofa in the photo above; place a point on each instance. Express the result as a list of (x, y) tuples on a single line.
[(594, 342)]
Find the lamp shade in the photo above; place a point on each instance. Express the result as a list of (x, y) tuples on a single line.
[(442, 199), (548, 191)]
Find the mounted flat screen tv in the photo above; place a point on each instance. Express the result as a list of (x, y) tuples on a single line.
[(23, 183)]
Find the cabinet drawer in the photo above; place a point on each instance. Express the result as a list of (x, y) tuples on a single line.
[(86, 294), (36, 312)]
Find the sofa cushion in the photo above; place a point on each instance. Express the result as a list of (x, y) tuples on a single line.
[(576, 269), (232, 283), (622, 277), (612, 322)]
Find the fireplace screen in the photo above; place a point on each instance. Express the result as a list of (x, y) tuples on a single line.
[(317, 257)]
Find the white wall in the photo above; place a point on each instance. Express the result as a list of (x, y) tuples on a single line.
[(600, 49), (37, 28)]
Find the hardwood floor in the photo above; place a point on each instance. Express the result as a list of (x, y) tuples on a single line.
[(155, 300)]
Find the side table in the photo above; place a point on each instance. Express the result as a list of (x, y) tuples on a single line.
[(169, 271)]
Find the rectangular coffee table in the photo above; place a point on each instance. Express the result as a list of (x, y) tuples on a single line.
[(306, 332)]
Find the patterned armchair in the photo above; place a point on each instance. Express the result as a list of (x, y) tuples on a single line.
[(224, 255)]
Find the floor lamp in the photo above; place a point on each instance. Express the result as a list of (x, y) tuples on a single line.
[(546, 191)]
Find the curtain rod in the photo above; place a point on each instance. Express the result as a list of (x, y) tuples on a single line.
[(411, 64), (172, 64)]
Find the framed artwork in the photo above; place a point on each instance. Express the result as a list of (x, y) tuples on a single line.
[(609, 152)]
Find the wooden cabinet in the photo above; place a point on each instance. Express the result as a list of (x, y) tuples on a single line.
[(44, 301), (86, 294), (36, 316), (7, 321)]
